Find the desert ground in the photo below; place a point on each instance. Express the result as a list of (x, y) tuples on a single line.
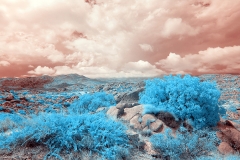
[(23, 99)]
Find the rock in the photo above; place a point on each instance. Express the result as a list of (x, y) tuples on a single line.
[(131, 97), (147, 119), (121, 105), (156, 126), (135, 140), (101, 109), (236, 125), (132, 134), (129, 113), (225, 148), (126, 105), (15, 101), (146, 132), (118, 97), (23, 99), (120, 112), (229, 134), (9, 97), (148, 148), (134, 122), (7, 104), (168, 119), (135, 104), (113, 112)]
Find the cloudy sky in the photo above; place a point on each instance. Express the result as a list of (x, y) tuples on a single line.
[(119, 38)]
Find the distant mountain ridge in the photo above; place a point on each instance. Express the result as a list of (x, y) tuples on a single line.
[(47, 82)]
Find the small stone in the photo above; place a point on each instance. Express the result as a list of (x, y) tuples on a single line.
[(100, 109), (9, 97)]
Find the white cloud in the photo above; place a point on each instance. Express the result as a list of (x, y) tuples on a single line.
[(30, 66), (130, 69), (42, 70), (4, 63), (114, 34), (212, 60), (146, 47), (175, 26)]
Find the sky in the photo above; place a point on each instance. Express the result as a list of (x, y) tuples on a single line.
[(119, 38)]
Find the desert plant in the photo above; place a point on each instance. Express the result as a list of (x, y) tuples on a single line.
[(185, 145), (91, 102), (186, 98), (70, 133)]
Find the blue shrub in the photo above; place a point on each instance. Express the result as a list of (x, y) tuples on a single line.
[(50, 110), (185, 145), (9, 121), (186, 98), (232, 109), (57, 106), (41, 101), (22, 112), (91, 102), (233, 157), (72, 133)]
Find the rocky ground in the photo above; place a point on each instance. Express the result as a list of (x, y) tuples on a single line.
[(35, 94)]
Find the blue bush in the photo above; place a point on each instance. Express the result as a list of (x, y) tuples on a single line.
[(186, 98), (232, 109), (91, 102), (185, 145), (9, 121), (22, 112), (71, 133), (233, 157)]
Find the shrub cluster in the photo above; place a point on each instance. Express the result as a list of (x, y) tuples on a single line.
[(186, 98), (185, 145), (73, 130), (70, 133), (91, 102)]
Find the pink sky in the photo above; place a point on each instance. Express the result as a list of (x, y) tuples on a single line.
[(119, 38)]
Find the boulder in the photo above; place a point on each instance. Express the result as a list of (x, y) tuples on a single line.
[(225, 148), (156, 126), (229, 134), (147, 119), (113, 112), (131, 97), (168, 119), (124, 105), (129, 113), (134, 122)]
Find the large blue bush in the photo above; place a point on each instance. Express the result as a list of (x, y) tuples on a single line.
[(71, 133), (186, 98), (91, 102)]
